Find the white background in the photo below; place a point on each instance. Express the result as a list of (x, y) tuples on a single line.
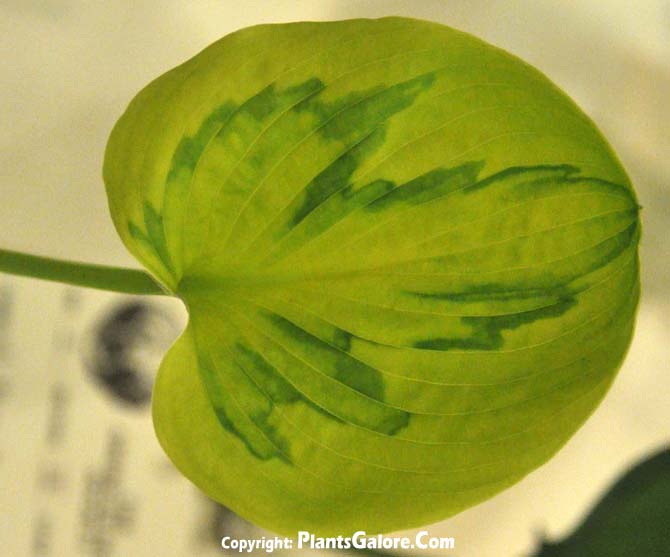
[(67, 71)]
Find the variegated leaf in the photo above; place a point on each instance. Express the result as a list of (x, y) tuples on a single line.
[(409, 260)]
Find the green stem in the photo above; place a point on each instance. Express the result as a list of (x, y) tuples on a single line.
[(115, 279)]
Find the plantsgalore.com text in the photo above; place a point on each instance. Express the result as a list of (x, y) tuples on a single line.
[(359, 540)]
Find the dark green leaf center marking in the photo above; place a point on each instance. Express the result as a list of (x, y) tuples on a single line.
[(358, 376), (359, 124), (487, 331), (154, 238)]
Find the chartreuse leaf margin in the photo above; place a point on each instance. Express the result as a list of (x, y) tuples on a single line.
[(409, 261)]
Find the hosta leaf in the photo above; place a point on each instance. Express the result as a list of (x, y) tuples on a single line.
[(630, 519), (410, 264)]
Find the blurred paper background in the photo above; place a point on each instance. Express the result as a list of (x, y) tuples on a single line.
[(81, 471)]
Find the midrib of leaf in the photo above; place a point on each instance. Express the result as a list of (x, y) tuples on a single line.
[(255, 279)]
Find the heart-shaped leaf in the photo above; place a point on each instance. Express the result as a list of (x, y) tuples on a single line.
[(409, 260)]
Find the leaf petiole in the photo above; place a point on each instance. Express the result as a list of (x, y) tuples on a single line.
[(102, 277)]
